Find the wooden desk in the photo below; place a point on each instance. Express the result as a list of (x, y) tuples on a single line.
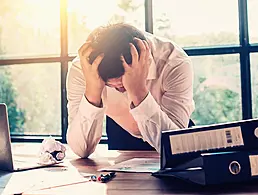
[(126, 183)]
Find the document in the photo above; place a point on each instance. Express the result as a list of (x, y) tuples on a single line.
[(43, 178), (136, 165)]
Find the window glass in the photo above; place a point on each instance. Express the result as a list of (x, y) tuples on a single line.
[(217, 89), (254, 80), (86, 15), (32, 93), (29, 28), (252, 22), (197, 22)]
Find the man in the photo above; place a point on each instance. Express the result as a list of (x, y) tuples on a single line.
[(144, 83)]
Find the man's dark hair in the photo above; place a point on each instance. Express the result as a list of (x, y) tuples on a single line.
[(113, 41)]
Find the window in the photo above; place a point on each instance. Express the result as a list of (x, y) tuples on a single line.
[(29, 28), (82, 18), (252, 16), (38, 39), (197, 22), (254, 70), (217, 89), (32, 93)]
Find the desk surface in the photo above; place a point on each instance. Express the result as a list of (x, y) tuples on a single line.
[(124, 183)]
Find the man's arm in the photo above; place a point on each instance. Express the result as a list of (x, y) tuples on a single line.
[(85, 120), (176, 105), (176, 102)]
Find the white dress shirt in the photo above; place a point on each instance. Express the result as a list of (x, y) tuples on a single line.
[(168, 104)]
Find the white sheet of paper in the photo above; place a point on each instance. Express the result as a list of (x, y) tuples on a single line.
[(136, 165), (43, 178)]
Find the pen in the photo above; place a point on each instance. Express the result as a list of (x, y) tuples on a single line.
[(105, 178)]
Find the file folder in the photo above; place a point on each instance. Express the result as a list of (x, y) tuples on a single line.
[(216, 168), (180, 146)]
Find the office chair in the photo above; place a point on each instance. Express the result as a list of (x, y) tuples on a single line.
[(119, 139)]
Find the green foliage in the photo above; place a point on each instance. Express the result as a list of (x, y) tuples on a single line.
[(217, 89), (8, 96), (128, 5), (216, 106)]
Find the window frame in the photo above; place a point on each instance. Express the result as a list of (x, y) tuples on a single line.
[(243, 49)]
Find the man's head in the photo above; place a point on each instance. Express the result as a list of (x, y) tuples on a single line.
[(113, 41)]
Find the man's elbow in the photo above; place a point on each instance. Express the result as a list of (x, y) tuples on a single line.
[(81, 153), (80, 150)]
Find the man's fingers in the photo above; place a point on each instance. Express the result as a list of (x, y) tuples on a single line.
[(97, 61), (142, 47), (134, 53), (147, 57), (126, 66), (86, 53), (83, 48)]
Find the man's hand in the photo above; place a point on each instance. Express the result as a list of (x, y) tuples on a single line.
[(134, 79), (94, 84)]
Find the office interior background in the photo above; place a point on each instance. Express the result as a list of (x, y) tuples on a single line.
[(39, 39)]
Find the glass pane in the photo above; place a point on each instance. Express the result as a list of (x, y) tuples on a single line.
[(86, 15), (253, 24), (197, 22), (33, 95), (217, 89), (254, 70), (104, 133), (29, 27)]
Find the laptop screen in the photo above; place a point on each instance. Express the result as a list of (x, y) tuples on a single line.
[(6, 162)]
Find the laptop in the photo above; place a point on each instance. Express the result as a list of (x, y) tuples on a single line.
[(8, 162)]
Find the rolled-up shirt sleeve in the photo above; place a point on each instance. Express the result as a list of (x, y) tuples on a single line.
[(174, 109), (85, 121)]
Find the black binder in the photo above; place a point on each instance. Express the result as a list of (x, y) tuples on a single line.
[(180, 146), (216, 168)]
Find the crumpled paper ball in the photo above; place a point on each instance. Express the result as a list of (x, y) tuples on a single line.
[(51, 151)]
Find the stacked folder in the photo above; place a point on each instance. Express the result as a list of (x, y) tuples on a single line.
[(214, 154)]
